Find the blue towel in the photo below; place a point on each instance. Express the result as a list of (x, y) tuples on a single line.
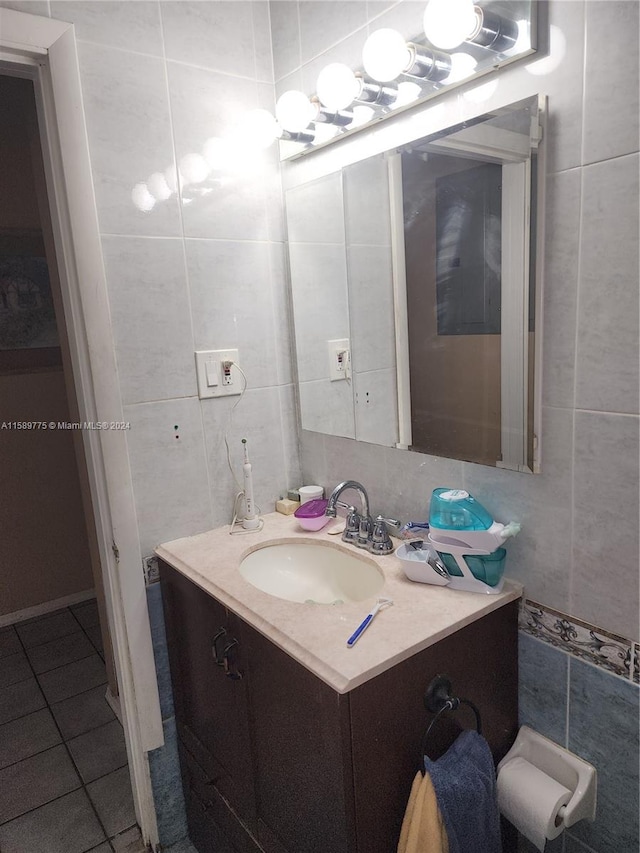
[(464, 779)]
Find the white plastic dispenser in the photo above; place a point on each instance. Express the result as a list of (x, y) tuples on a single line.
[(468, 541), (543, 788)]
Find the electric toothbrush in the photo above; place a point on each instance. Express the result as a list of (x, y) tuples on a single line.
[(251, 520)]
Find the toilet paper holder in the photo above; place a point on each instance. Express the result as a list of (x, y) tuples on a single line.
[(567, 769)]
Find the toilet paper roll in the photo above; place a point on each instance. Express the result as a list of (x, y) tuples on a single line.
[(531, 800)]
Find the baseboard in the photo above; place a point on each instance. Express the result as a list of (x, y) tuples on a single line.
[(46, 607), (114, 703)]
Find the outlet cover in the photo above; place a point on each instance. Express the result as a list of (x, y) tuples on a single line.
[(339, 359), (213, 379)]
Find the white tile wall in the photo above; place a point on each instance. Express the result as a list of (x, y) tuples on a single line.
[(114, 23), (158, 80), (315, 212), (212, 35), (231, 304), (604, 584), (561, 286), (611, 129), (326, 22), (150, 314), (259, 419), (31, 7), (327, 407), (320, 304), (376, 409), (130, 136), (170, 481), (371, 308), (366, 192), (285, 36), (608, 328)]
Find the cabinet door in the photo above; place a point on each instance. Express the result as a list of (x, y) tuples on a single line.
[(209, 696), (302, 754), (388, 718)]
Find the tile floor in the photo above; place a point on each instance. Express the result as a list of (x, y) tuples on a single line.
[(64, 780)]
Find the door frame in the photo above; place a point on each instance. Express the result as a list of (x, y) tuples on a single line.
[(44, 50)]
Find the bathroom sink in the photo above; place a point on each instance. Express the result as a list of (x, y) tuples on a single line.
[(311, 572)]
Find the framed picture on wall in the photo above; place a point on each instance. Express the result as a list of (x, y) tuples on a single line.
[(28, 330)]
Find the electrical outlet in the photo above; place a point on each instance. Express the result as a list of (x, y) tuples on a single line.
[(151, 570), (339, 359), (217, 373)]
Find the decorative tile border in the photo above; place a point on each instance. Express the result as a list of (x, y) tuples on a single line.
[(608, 651)]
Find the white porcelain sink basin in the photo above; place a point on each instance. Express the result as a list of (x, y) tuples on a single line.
[(312, 572)]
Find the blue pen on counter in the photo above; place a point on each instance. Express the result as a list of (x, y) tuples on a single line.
[(368, 619)]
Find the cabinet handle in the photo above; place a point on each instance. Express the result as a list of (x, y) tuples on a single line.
[(230, 668), (218, 658)]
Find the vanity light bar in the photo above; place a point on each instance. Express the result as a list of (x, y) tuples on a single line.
[(387, 57)]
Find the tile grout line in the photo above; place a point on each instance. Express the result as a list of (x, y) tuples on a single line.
[(47, 748), (82, 785)]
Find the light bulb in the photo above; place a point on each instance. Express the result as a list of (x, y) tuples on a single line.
[(362, 115), (294, 111), (258, 128), (158, 186), (337, 86), (462, 66), (142, 198), (385, 55), (447, 23), (408, 92), (193, 168)]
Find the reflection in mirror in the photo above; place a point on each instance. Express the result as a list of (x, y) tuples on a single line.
[(413, 279)]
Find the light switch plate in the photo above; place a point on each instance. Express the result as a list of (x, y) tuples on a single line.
[(212, 380)]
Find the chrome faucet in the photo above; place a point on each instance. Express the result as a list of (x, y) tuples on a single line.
[(359, 525), (360, 529)]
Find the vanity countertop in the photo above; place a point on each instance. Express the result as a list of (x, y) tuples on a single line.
[(316, 634)]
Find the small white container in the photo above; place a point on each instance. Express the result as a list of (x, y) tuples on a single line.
[(415, 565), (310, 493)]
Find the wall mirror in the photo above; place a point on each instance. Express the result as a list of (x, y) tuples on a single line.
[(415, 293)]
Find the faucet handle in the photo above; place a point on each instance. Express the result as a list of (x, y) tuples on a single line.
[(352, 526), (380, 540), (366, 530)]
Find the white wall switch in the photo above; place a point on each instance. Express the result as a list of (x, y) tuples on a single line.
[(339, 359), (217, 373)]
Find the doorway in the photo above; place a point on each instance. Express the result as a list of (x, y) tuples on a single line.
[(48, 521), (44, 50)]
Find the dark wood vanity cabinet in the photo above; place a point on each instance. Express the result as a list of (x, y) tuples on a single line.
[(274, 760)]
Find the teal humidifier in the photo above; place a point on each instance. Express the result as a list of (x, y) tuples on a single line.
[(468, 541)]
